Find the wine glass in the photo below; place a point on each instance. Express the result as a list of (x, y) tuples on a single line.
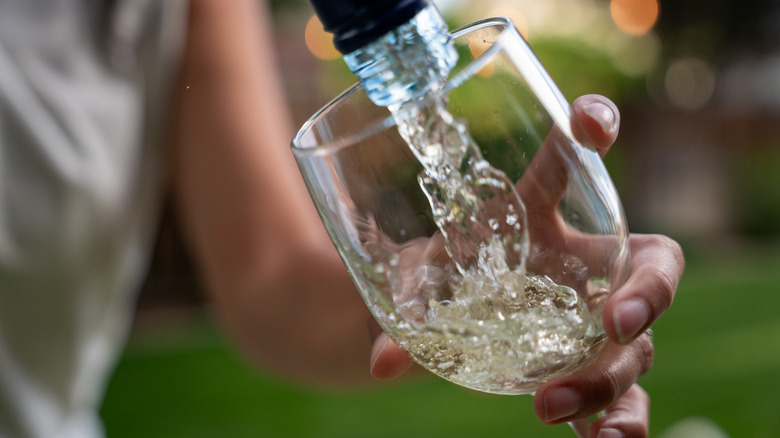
[(514, 296)]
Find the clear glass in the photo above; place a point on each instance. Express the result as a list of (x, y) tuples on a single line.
[(365, 181)]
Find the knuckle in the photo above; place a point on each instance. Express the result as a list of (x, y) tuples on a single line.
[(666, 287), (663, 264), (643, 395), (611, 387), (615, 380), (629, 415), (637, 431), (669, 246), (645, 352), (638, 425), (665, 242), (674, 249)]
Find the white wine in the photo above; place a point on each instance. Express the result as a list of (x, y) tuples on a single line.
[(504, 333), (486, 325), (491, 327)]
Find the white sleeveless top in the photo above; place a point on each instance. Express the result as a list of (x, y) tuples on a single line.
[(84, 86)]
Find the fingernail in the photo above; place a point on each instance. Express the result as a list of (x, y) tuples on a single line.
[(609, 433), (602, 114), (630, 317), (375, 355), (560, 403)]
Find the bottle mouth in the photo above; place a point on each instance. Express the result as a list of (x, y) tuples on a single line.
[(407, 61), (355, 23), (319, 136)]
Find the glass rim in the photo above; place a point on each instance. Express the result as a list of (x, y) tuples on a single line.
[(460, 76)]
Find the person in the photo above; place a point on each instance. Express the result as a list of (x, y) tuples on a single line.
[(106, 106)]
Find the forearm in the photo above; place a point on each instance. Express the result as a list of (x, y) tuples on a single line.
[(273, 276)]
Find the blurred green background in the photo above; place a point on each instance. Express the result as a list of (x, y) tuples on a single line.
[(697, 159)]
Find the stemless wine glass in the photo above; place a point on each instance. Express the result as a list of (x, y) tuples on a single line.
[(498, 336)]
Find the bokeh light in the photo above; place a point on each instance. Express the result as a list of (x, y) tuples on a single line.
[(513, 13), (635, 56), (634, 17), (689, 83), (477, 48), (319, 42)]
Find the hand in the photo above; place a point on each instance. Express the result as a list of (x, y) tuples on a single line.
[(656, 266), (609, 383)]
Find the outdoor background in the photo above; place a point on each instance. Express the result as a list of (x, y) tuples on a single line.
[(698, 84)]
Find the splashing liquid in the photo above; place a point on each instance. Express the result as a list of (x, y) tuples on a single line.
[(480, 320), (494, 328)]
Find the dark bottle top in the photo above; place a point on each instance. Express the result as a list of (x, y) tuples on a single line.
[(355, 23)]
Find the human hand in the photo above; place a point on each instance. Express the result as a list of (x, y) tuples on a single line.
[(656, 267), (657, 264), (609, 383)]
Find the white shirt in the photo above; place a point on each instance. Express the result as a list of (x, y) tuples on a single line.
[(84, 86)]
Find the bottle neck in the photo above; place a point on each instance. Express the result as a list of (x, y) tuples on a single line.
[(407, 62)]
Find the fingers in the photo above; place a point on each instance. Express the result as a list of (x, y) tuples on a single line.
[(595, 121), (657, 263), (597, 387), (627, 418), (388, 361)]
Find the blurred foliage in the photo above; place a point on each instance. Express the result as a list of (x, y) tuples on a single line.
[(757, 180), (508, 141), (578, 69)]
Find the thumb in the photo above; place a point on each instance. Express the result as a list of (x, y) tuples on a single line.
[(388, 361)]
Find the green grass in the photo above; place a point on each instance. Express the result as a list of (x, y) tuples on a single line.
[(718, 348), (717, 356)]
